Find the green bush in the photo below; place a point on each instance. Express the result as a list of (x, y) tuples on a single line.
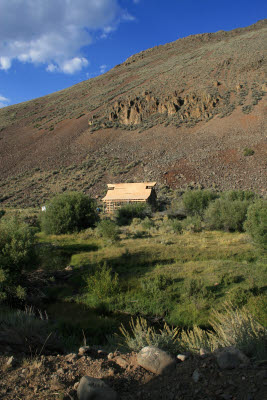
[(193, 224), (196, 201), (248, 152), (231, 327), (2, 213), (148, 223), (127, 213), (141, 335), (103, 284), (157, 284), (16, 252), (256, 223), (176, 226), (242, 195), (69, 212), (195, 288), (108, 229), (32, 334), (226, 215)]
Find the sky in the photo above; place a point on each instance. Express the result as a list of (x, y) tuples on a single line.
[(49, 45)]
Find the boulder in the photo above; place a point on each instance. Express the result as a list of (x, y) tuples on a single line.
[(182, 357), (95, 389), (84, 350), (230, 357), (155, 360)]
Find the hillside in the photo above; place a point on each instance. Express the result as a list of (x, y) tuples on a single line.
[(181, 114)]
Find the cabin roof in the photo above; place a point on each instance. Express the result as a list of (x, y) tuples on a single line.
[(129, 191)]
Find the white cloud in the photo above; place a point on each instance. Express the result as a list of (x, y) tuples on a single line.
[(74, 65), (4, 101), (53, 32), (5, 63), (103, 68)]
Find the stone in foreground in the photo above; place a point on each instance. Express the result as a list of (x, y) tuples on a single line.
[(95, 389), (155, 360), (230, 357)]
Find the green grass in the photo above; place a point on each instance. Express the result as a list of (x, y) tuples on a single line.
[(202, 269)]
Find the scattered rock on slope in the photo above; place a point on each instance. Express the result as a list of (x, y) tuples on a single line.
[(95, 389), (155, 360)]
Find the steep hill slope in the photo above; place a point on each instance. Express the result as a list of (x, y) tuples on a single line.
[(182, 113)]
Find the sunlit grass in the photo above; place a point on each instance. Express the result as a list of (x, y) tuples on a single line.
[(208, 258)]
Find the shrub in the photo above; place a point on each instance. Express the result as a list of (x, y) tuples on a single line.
[(30, 333), (242, 195), (154, 285), (148, 223), (193, 224), (69, 212), (226, 215), (103, 284), (108, 230), (176, 226), (127, 213), (195, 288), (142, 335), (237, 327), (256, 223), (196, 201), (16, 252), (231, 327), (2, 213), (248, 152)]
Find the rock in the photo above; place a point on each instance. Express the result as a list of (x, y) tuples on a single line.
[(83, 350), (182, 357), (196, 376), (71, 357), (203, 352), (155, 360), (122, 362), (95, 389), (10, 362), (110, 356), (60, 371), (69, 268), (230, 357)]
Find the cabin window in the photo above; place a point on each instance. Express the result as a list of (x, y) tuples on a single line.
[(149, 187), (111, 188)]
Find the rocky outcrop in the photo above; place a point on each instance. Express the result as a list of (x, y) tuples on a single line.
[(134, 110)]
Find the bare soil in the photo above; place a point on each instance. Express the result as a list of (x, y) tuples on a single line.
[(54, 377)]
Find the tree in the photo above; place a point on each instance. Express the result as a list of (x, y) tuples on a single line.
[(69, 212), (196, 201), (17, 241), (256, 223)]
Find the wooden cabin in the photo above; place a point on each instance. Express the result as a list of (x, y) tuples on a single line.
[(119, 194)]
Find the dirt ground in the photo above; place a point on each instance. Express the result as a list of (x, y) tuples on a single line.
[(56, 377)]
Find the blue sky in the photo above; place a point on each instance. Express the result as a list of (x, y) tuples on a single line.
[(48, 45)]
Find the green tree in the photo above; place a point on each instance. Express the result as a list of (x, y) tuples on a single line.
[(196, 201), (108, 229), (227, 215), (127, 213), (17, 241), (69, 212), (256, 223)]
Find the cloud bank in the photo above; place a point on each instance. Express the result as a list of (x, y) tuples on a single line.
[(53, 32)]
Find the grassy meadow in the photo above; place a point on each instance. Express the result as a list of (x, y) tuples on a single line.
[(180, 278), (155, 267)]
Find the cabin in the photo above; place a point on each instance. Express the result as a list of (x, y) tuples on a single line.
[(119, 194)]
